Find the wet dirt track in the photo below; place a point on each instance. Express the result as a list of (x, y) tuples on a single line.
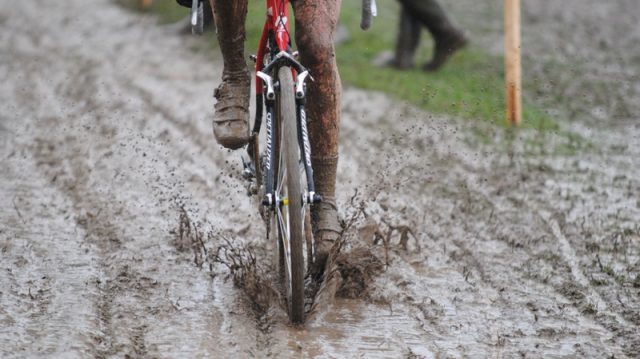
[(521, 250)]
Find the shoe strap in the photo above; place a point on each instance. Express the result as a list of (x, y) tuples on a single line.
[(327, 223), (325, 160), (228, 107)]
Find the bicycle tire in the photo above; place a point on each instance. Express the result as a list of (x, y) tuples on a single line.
[(289, 144)]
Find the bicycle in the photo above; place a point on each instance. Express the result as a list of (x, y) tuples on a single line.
[(283, 177)]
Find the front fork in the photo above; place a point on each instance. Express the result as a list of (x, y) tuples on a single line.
[(272, 127), (269, 198), (305, 149)]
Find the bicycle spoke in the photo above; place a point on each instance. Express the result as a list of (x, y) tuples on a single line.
[(282, 211), (284, 232)]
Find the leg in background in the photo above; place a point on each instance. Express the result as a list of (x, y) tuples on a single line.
[(448, 38), (408, 39)]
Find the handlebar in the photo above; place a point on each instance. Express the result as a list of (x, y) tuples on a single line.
[(369, 10)]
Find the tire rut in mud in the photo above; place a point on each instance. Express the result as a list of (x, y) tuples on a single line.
[(118, 279), (483, 215)]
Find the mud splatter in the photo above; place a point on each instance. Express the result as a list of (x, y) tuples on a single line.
[(358, 269), (240, 261)]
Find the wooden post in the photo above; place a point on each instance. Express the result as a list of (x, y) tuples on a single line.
[(513, 69), (145, 4)]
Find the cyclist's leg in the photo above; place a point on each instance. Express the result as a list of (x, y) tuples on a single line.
[(231, 119), (315, 26), (448, 38)]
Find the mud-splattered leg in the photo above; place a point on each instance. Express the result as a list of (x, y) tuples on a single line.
[(231, 120), (316, 22)]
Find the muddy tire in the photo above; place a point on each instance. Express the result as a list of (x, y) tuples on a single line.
[(290, 150)]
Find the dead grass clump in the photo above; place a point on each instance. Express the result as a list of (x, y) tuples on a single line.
[(358, 269), (247, 275), (236, 256), (189, 236), (353, 265), (377, 226)]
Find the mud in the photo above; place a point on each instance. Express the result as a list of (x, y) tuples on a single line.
[(527, 246)]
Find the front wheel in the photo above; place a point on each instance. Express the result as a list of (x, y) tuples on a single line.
[(290, 212)]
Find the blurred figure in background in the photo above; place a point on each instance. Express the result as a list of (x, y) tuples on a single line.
[(428, 13)]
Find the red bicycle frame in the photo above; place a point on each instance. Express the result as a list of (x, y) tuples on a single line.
[(277, 23), (276, 42)]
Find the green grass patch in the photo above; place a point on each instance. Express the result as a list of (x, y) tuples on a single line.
[(470, 86)]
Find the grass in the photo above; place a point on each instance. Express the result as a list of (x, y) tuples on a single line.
[(470, 86)]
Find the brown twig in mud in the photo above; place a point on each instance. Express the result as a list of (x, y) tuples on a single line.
[(17, 210), (189, 236), (243, 266), (358, 269), (360, 209), (350, 269), (238, 258), (184, 231), (404, 231), (373, 229), (176, 305), (372, 232), (353, 198)]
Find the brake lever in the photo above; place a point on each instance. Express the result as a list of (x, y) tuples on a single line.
[(197, 17)]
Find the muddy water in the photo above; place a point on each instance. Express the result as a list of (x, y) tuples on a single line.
[(519, 250)]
